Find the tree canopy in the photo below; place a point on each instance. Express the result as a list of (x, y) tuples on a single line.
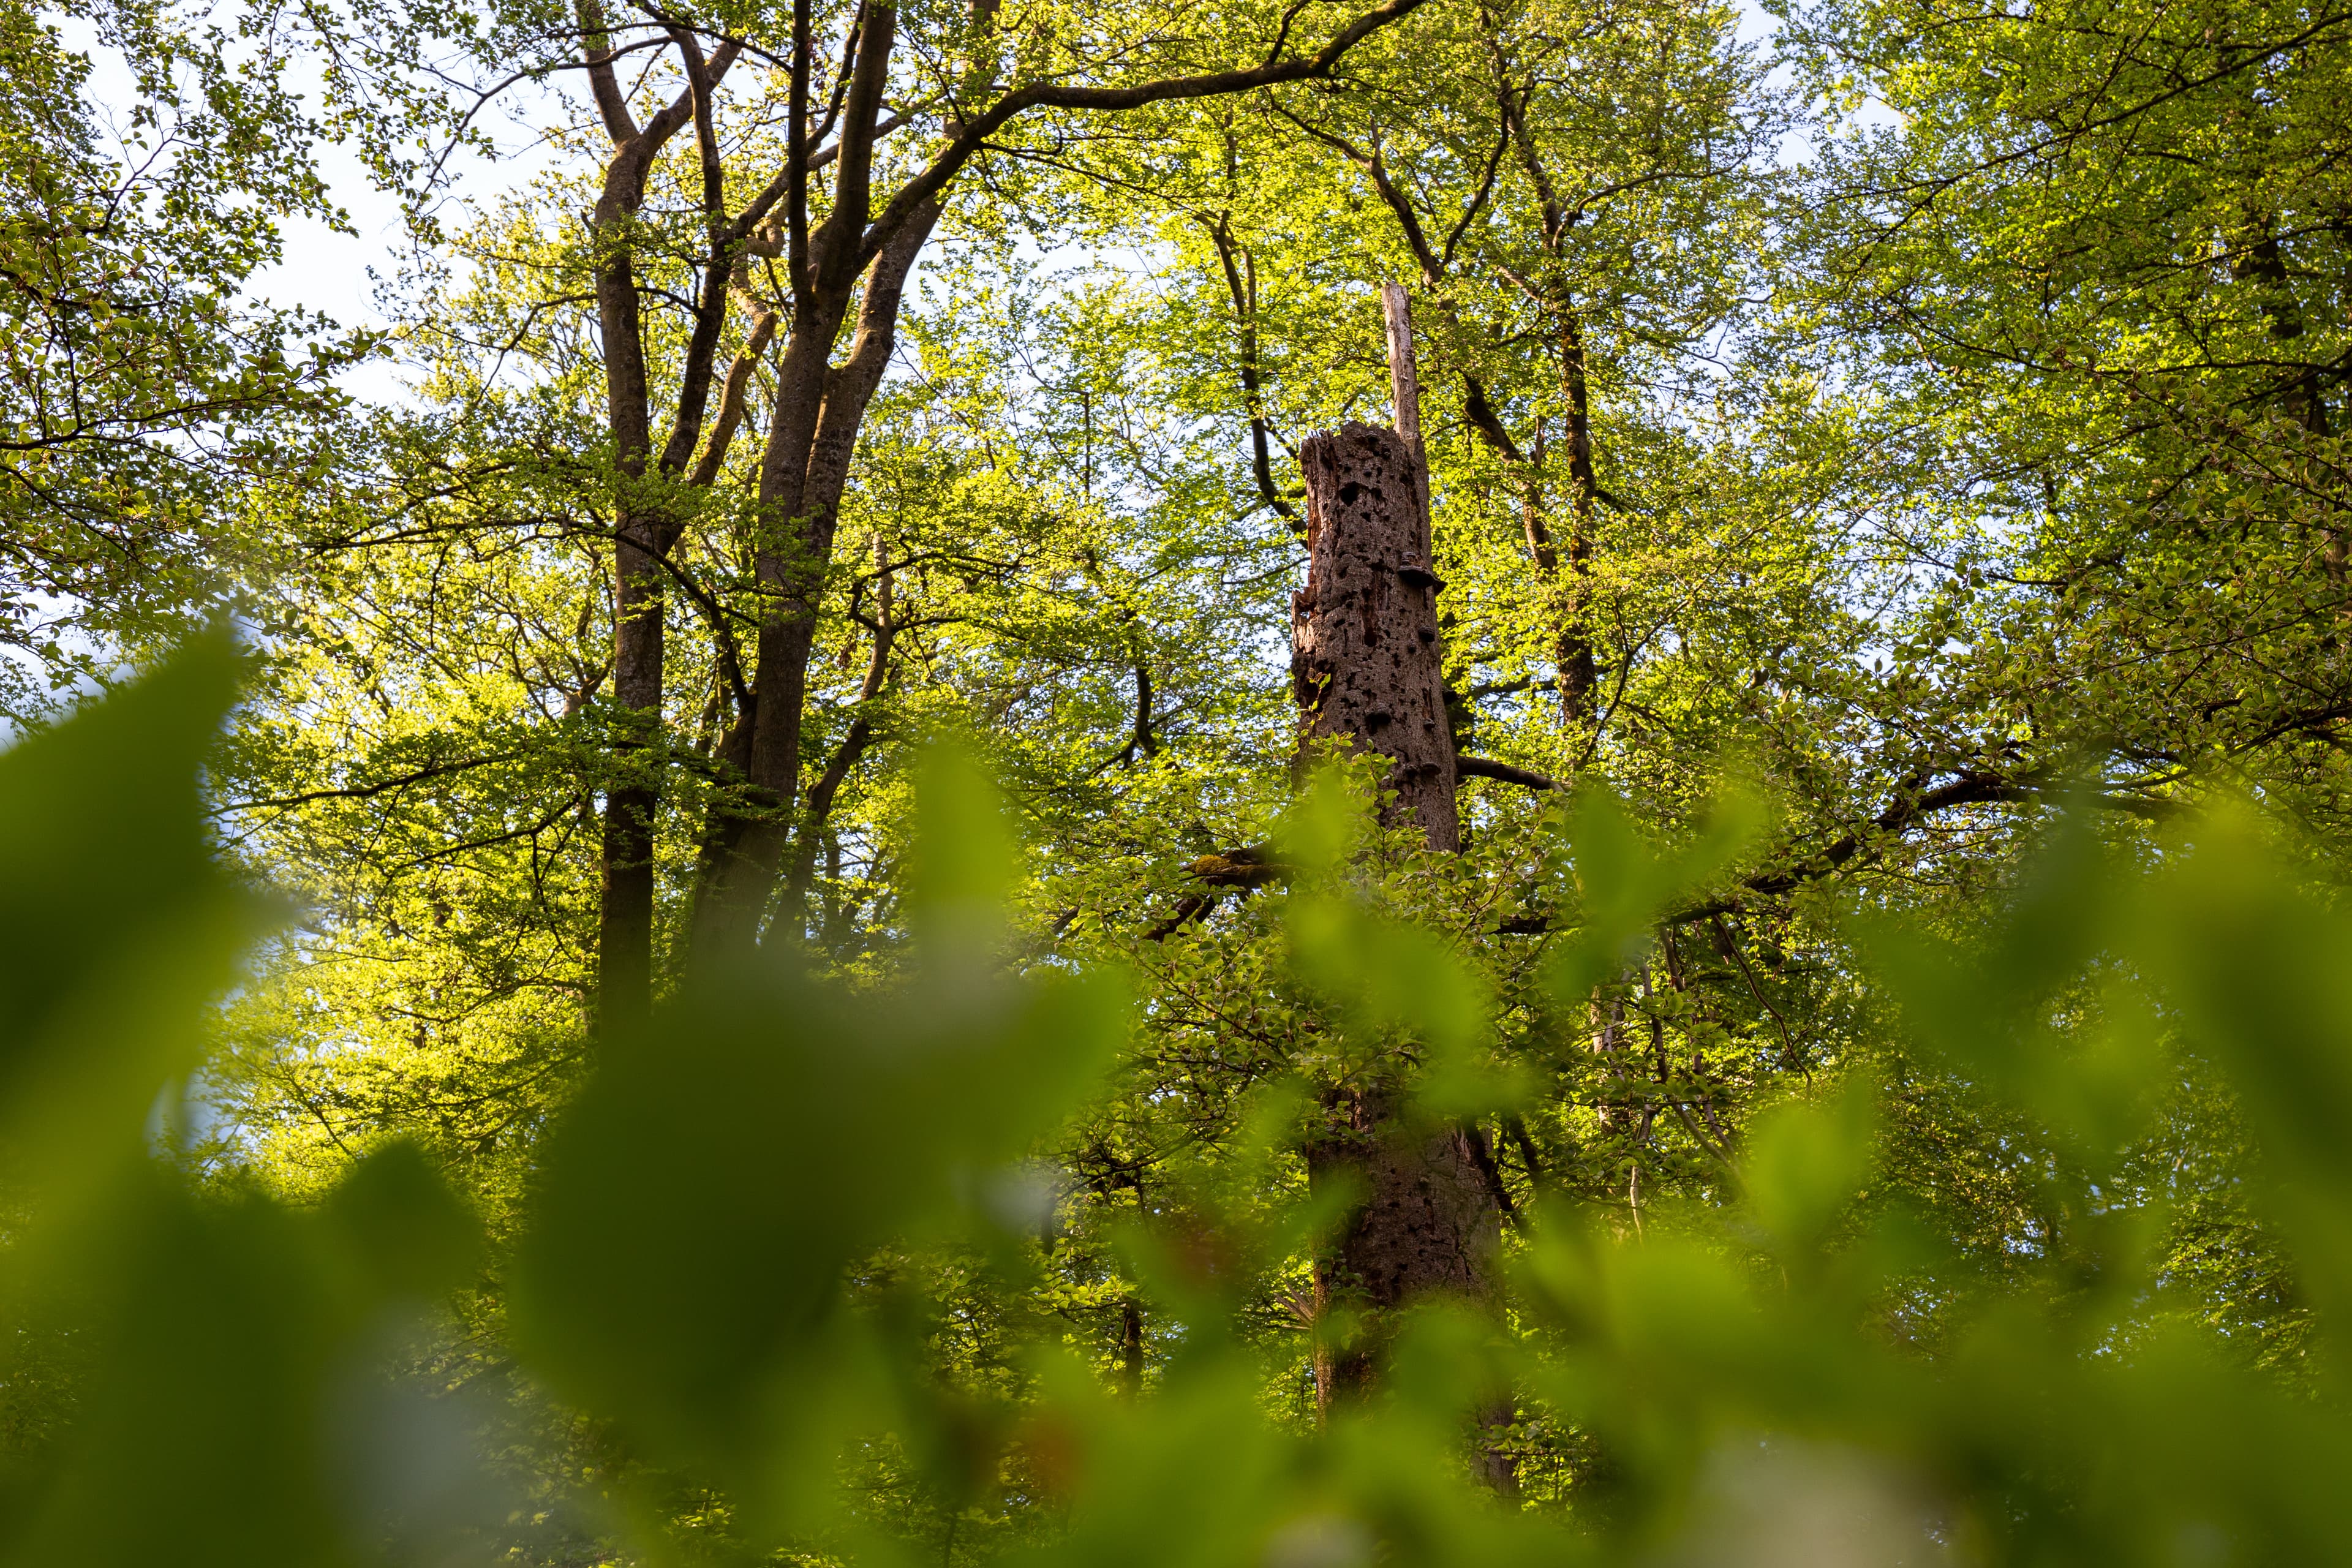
[(851, 867)]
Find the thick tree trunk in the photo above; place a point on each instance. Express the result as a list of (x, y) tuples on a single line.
[(804, 475), (1364, 651), (1580, 677), (625, 934), (1366, 671), (1428, 1225), (625, 925)]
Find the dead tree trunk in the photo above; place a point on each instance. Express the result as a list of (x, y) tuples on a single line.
[(1364, 652), (1366, 671)]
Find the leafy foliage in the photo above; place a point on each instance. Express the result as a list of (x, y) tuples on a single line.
[(142, 393), (545, 1046), (754, 1240)]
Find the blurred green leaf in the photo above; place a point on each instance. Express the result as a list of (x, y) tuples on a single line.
[(2257, 969), (965, 863), (1382, 975), (1807, 1162), (702, 1206), (2035, 1011), (115, 926), (1622, 885), (226, 1338)]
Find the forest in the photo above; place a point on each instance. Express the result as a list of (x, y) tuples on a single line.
[(1289, 783)]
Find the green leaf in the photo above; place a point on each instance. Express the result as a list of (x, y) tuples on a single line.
[(116, 924)]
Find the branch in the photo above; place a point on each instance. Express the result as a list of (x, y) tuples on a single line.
[(1968, 789), (1144, 740), (794, 179), (1252, 392), (732, 398), (1971, 788), (710, 310), (1486, 421), (1478, 201), (1482, 1157), (1433, 274), (836, 252), (610, 104), (1192, 908), (1504, 773), (974, 133), (368, 791), (1248, 867)]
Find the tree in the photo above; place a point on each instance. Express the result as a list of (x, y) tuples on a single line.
[(2091, 280), (838, 205), (140, 390), (1719, 480)]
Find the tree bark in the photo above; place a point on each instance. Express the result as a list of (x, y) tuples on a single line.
[(1366, 671), (641, 532), (1364, 649), (1429, 1226)]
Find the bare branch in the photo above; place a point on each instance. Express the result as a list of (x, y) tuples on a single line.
[(1503, 772)]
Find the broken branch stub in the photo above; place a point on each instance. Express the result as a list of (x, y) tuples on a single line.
[(1404, 389)]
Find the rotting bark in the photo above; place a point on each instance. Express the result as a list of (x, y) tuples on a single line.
[(1565, 579), (1366, 672), (1404, 388), (1364, 648), (1429, 1226)]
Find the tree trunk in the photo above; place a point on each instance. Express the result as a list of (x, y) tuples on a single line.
[(804, 475), (1580, 677), (644, 523), (624, 924), (1364, 651), (625, 936), (1366, 669), (1428, 1225)]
